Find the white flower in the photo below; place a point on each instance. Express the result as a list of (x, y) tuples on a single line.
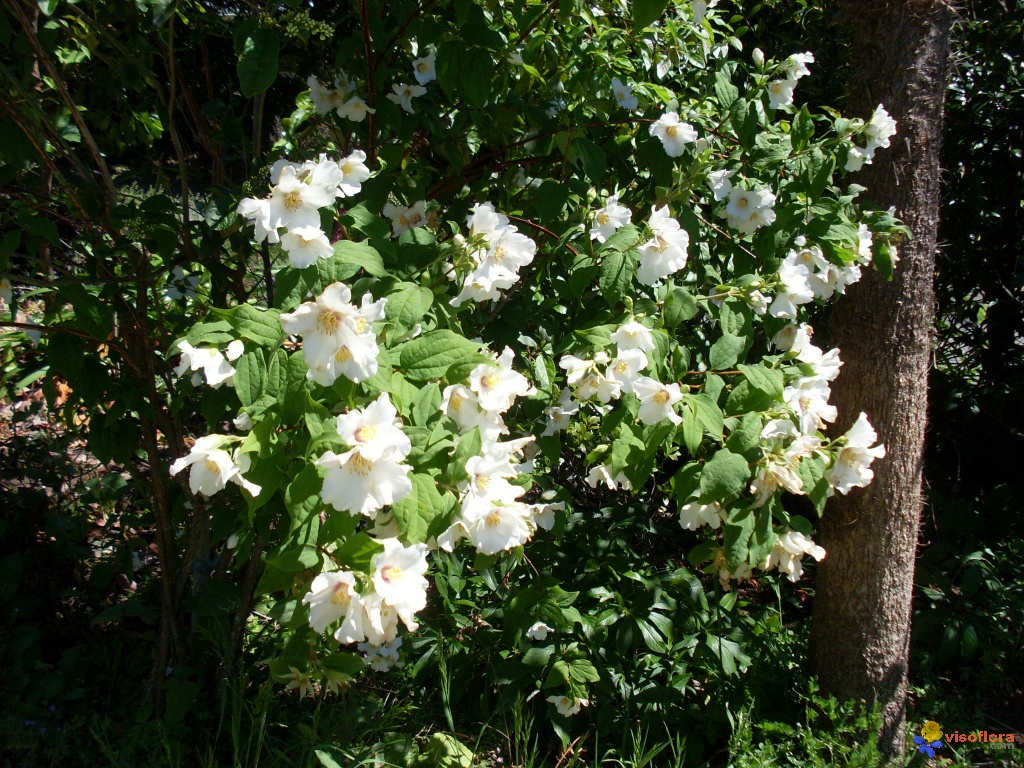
[(212, 467), (796, 65), (757, 56), (694, 515), (497, 387), (656, 400), (539, 631), (879, 129), (567, 707), (795, 290), (304, 245), (780, 93), (634, 335), (560, 413), (494, 524), (374, 431), (749, 209), (788, 551), (809, 401), (600, 474), (353, 173), (216, 370), (674, 135), (404, 219), (295, 203), (720, 183), (460, 403), (242, 422), (515, 58), (624, 94), (855, 159), (853, 464), (625, 369), (865, 239), (337, 338), (666, 253), (793, 338), (398, 578), (355, 109), (404, 94), (424, 69), (608, 219), (382, 658), (331, 596), (360, 486)]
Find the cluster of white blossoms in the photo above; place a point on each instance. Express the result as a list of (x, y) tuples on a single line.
[(337, 98), (878, 131), (337, 337), (805, 275), (299, 192), (213, 466), (491, 514), (747, 209), (369, 612), (209, 364), (370, 475), (495, 251), (665, 253), (382, 658), (424, 70), (780, 92), (673, 133), (405, 218)]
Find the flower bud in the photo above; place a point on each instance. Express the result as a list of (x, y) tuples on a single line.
[(758, 57)]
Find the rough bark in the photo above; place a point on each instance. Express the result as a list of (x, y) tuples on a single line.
[(860, 630)]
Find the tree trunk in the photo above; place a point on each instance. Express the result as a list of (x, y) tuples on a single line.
[(860, 630)]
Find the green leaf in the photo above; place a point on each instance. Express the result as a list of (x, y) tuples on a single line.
[(258, 51), (617, 270), (416, 511), (592, 158), (726, 351), (747, 435), (646, 12), (349, 257), (582, 671), (709, 415), (725, 91), (467, 447), (260, 326), (302, 496), (358, 551), (407, 307), (624, 239), (431, 355), (680, 306), (737, 535), (250, 377), (763, 379), (724, 476)]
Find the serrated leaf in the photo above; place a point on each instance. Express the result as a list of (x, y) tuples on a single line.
[(260, 326), (726, 351), (680, 306), (617, 270), (407, 307), (416, 511), (763, 379), (302, 496), (431, 355), (358, 551), (250, 377), (724, 476)]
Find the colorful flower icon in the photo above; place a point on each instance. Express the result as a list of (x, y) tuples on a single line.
[(930, 738)]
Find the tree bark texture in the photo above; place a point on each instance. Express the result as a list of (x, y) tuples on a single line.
[(860, 630)]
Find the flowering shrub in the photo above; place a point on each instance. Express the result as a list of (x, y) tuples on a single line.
[(583, 237)]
